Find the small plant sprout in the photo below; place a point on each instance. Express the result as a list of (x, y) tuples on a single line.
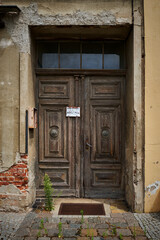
[(60, 235), (82, 216), (39, 234), (105, 234), (48, 193), (114, 230), (134, 232), (121, 236), (46, 232), (41, 224), (88, 231)]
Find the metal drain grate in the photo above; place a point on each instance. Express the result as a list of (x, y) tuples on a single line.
[(75, 209)]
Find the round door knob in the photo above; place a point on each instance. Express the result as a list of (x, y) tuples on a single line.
[(54, 133), (105, 133)]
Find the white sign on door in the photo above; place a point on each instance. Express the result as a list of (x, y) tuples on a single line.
[(72, 111)]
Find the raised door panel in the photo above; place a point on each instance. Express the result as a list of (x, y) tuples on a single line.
[(105, 131), (54, 134)]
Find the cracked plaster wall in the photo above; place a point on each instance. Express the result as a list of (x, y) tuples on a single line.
[(40, 13), (67, 12)]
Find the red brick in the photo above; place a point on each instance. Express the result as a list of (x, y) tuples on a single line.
[(22, 165)]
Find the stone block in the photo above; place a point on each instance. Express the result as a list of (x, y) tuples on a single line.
[(124, 232), (89, 232), (53, 232), (69, 232), (22, 232)]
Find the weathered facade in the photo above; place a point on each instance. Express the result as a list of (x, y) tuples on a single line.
[(122, 102)]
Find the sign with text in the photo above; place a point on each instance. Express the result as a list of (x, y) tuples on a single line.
[(72, 111)]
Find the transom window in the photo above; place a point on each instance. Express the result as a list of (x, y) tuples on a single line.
[(81, 55)]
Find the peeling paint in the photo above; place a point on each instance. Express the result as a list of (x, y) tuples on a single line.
[(152, 188), (4, 43)]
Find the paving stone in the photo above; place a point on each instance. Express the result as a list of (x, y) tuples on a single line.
[(124, 232), (108, 231), (44, 238), (142, 238), (88, 225), (54, 220), (28, 220), (14, 238), (116, 215), (50, 225), (94, 220), (111, 238), (89, 232), (9, 223), (22, 232), (69, 238), (104, 226), (116, 220), (69, 232), (83, 238), (36, 232), (98, 238), (120, 225), (75, 225), (53, 232), (31, 238), (137, 230)]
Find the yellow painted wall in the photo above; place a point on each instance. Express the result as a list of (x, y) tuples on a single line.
[(152, 105)]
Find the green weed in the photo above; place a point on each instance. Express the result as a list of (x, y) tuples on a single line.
[(48, 190), (82, 216), (121, 236), (60, 235), (114, 230)]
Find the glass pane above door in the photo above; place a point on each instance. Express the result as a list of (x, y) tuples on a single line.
[(48, 55), (91, 56), (70, 55), (81, 55)]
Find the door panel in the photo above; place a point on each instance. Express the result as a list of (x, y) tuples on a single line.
[(103, 131), (57, 133)]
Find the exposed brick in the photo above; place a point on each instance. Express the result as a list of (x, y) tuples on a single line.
[(17, 175)]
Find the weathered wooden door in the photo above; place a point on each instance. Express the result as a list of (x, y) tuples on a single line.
[(57, 134), (82, 155), (103, 131)]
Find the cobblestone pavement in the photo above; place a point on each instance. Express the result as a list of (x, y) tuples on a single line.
[(150, 223), (44, 226), (9, 224), (118, 224)]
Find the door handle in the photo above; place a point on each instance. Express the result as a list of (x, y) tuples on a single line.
[(88, 145)]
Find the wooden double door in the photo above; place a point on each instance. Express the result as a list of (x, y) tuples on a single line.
[(83, 155)]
